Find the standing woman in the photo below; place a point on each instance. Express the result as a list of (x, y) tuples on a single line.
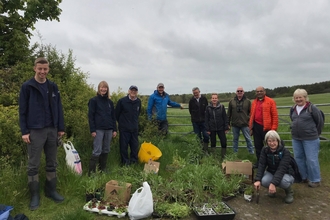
[(216, 123), (102, 125), (306, 121)]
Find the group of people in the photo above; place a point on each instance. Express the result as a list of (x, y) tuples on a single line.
[(42, 125)]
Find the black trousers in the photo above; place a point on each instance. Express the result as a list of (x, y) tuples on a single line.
[(258, 138), (130, 139), (222, 136)]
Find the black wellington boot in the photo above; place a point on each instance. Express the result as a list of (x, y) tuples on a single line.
[(34, 190), (50, 188), (92, 164), (103, 162)]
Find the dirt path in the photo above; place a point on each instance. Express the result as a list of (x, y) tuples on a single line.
[(309, 204)]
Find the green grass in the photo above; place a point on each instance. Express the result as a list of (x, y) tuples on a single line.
[(13, 180)]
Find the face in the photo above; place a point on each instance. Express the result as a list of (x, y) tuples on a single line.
[(196, 93), (132, 93), (272, 143), (260, 92), (300, 100), (103, 90), (239, 92), (160, 89), (214, 99), (41, 71)]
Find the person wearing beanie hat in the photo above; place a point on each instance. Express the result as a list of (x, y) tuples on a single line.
[(157, 107), (128, 110)]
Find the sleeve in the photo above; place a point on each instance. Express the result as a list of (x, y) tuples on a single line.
[(118, 109), (91, 115), (225, 118), (229, 112), (252, 115), (190, 106), (207, 116), (173, 104), (23, 109), (113, 116), (60, 110), (274, 116), (282, 168), (318, 119)]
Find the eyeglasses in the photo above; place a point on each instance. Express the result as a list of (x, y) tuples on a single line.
[(239, 91)]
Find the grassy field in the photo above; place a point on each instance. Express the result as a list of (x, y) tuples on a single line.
[(13, 180)]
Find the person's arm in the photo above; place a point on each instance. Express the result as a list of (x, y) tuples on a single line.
[(274, 116), (190, 106), (118, 109), (23, 106), (229, 112), (225, 119), (282, 168)]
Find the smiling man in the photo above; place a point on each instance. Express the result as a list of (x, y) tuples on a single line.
[(42, 123)]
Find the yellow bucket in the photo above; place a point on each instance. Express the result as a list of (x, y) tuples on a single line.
[(148, 151)]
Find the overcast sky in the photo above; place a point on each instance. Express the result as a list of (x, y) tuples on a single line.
[(216, 45)]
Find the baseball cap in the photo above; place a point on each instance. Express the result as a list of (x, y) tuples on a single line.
[(160, 85), (133, 87)]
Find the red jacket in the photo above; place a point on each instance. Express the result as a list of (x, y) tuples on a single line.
[(269, 114)]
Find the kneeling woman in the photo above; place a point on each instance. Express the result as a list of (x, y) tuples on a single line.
[(274, 167)]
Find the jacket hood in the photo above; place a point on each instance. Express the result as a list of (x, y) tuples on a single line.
[(211, 104)]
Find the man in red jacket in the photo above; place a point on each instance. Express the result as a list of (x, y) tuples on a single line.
[(264, 117)]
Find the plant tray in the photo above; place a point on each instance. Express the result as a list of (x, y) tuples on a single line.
[(208, 212), (103, 211)]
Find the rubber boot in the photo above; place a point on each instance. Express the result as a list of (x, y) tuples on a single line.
[(103, 162), (289, 195), (223, 153), (205, 147), (33, 183), (50, 187), (92, 164)]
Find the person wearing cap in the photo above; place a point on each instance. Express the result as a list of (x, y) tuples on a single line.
[(128, 110), (157, 105), (102, 125)]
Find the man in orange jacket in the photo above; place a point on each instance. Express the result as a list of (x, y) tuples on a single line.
[(264, 117)]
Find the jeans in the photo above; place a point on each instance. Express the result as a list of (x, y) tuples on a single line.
[(306, 154), (285, 183), (163, 126), (246, 133), (101, 143), (199, 129)]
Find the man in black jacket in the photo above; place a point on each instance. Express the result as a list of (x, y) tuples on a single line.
[(128, 110), (197, 107)]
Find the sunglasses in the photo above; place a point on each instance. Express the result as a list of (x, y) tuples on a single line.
[(239, 91)]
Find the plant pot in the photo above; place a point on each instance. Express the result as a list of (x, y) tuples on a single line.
[(90, 196), (248, 197), (220, 211)]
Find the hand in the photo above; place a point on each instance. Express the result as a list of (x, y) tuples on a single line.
[(93, 134), (272, 188), (226, 131), (114, 134), (208, 132), (251, 132), (26, 138), (181, 106), (257, 185), (60, 133)]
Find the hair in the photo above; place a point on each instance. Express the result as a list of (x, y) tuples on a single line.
[(41, 60), (195, 88), (274, 135), (301, 92), (103, 84), (214, 93)]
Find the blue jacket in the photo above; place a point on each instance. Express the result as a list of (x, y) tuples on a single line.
[(32, 107), (157, 104), (101, 114), (127, 114)]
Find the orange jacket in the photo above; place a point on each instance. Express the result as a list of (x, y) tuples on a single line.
[(269, 114)]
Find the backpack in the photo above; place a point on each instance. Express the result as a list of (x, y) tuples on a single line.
[(294, 166), (319, 126)]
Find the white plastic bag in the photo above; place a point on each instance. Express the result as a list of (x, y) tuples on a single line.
[(141, 204), (72, 158)]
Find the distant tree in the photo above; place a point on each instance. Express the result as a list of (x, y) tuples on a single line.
[(17, 20)]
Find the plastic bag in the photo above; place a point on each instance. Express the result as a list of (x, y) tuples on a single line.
[(72, 158), (141, 204), (5, 211)]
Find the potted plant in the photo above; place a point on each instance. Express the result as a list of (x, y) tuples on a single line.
[(217, 210), (248, 193), (93, 188)]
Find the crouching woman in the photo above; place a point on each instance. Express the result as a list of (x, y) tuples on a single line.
[(274, 167)]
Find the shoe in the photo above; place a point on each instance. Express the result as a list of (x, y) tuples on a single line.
[(288, 195), (304, 181), (314, 184)]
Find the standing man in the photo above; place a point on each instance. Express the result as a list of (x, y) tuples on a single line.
[(157, 105), (197, 107), (239, 115), (42, 124), (102, 125), (263, 118), (128, 110)]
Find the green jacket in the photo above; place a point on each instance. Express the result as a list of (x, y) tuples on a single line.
[(239, 112)]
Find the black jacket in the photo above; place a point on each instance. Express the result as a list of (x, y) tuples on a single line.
[(277, 163), (216, 118), (127, 114), (101, 114), (197, 109)]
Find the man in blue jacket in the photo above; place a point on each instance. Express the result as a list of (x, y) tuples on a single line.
[(127, 114), (157, 105), (42, 124)]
